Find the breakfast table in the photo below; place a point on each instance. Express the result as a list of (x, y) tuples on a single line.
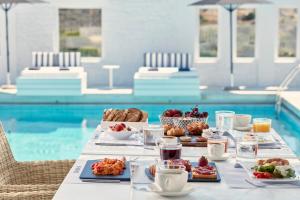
[(234, 180)]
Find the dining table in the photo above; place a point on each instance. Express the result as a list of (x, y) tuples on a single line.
[(234, 184)]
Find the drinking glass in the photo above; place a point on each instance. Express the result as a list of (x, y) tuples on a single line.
[(170, 151), (137, 173), (217, 146), (262, 125), (246, 149), (152, 133), (224, 120)]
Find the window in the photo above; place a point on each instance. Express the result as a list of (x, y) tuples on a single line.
[(80, 30), (287, 32), (245, 43), (208, 33)]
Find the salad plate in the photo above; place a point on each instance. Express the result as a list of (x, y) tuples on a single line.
[(274, 170)]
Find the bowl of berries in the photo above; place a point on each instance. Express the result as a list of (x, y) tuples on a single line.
[(120, 131), (191, 117), (168, 116)]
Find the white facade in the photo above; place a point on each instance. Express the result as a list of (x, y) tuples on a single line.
[(132, 27)]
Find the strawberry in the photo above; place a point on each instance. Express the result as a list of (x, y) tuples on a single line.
[(203, 162)]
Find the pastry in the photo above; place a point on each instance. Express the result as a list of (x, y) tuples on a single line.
[(175, 131), (120, 116), (196, 128), (111, 115), (109, 166), (167, 127), (205, 172), (127, 115), (144, 117), (133, 115), (185, 139)]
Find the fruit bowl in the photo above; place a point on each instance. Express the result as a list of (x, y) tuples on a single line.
[(120, 135), (168, 116)]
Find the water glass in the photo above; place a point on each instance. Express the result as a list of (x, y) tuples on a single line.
[(224, 120), (246, 149), (152, 133)]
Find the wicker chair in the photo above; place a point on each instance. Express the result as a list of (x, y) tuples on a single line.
[(28, 178)]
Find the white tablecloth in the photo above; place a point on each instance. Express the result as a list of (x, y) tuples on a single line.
[(72, 188)]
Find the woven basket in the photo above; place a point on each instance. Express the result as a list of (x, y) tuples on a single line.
[(167, 120), (182, 122)]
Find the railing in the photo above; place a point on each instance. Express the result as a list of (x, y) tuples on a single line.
[(283, 86)]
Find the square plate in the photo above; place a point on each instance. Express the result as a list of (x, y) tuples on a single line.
[(88, 174), (190, 179)]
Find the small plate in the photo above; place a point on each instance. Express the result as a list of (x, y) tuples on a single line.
[(223, 158), (245, 128), (185, 191)]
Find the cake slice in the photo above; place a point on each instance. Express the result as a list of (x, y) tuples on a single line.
[(205, 172)]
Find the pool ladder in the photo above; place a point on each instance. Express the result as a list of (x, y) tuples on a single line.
[(283, 86)]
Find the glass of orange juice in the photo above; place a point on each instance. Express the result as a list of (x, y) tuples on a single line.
[(262, 125)]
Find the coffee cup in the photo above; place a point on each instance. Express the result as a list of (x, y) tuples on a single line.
[(171, 180), (242, 120)]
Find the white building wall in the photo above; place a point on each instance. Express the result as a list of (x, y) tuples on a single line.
[(132, 27)]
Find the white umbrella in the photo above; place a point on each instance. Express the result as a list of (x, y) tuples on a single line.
[(230, 6), (7, 6)]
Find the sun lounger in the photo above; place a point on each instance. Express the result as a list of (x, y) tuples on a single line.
[(166, 74), (53, 74)]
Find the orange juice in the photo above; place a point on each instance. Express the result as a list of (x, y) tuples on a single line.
[(262, 125)]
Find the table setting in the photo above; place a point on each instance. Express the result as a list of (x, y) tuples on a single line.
[(153, 160)]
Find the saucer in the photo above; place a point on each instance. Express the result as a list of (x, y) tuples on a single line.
[(244, 128), (185, 191), (223, 158)]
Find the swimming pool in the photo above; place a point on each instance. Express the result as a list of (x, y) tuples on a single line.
[(52, 132)]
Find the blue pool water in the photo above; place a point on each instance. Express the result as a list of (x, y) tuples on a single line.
[(51, 132)]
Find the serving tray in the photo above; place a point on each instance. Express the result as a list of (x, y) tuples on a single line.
[(190, 178), (88, 174)]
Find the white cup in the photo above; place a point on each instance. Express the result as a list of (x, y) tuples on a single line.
[(216, 150), (171, 180), (242, 120)]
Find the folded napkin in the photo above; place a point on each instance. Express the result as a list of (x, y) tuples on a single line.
[(105, 139)]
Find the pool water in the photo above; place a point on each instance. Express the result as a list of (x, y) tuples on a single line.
[(52, 132)]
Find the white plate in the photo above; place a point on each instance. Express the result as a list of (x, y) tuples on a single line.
[(265, 139), (245, 128), (121, 135), (274, 180), (185, 191), (223, 158)]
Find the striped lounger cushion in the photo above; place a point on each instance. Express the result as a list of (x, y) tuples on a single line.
[(50, 59), (153, 60)]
